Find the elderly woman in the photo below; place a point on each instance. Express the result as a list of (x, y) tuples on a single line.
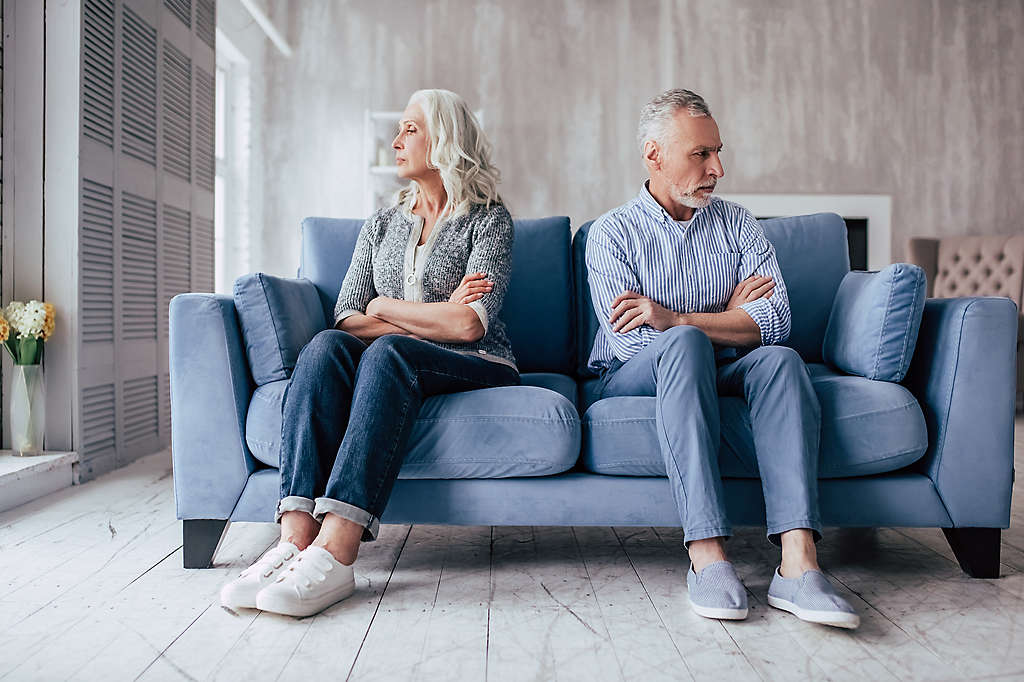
[(417, 316)]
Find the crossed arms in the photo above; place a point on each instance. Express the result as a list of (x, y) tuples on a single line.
[(733, 327), (463, 318), (628, 292), (450, 322)]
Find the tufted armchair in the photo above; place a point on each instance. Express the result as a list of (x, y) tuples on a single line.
[(990, 265)]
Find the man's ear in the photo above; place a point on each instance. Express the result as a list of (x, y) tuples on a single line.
[(652, 155)]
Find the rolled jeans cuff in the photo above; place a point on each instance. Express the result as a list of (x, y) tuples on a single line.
[(705, 533), (774, 531), (293, 503), (369, 522)]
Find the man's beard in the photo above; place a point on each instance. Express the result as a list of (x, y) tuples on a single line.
[(691, 199)]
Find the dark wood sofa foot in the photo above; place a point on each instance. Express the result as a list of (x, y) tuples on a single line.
[(200, 538), (977, 550)]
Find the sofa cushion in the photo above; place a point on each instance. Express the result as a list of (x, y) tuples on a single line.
[(487, 433), (875, 318), (278, 317), (868, 427), (559, 383)]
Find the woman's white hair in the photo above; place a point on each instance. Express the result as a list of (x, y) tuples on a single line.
[(458, 148)]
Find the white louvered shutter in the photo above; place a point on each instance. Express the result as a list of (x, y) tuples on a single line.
[(138, 87), (182, 9), (176, 265), (177, 112), (146, 212), (98, 71), (96, 252), (137, 276)]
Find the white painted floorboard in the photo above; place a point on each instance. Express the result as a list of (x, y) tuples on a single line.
[(92, 587)]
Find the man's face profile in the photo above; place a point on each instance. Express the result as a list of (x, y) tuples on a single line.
[(689, 160)]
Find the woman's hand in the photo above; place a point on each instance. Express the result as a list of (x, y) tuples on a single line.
[(751, 289), (472, 287)]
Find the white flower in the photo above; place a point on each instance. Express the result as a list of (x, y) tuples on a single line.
[(14, 313), (26, 318)]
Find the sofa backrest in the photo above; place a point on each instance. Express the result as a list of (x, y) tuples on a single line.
[(813, 255), (538, 310)]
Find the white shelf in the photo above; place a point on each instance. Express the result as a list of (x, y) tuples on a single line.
[(379, 130)]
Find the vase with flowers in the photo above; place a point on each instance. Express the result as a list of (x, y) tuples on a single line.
[(24, 328)]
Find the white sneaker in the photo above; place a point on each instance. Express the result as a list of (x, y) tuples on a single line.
[(241, 592), (310, 584)]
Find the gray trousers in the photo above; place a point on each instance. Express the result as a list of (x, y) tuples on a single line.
[(679, 369)]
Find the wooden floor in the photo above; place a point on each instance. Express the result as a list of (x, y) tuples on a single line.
[(92, 587)]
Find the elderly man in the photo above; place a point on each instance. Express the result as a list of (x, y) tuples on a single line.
[(692, 304)]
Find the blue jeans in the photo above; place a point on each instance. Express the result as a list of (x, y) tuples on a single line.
[(679, 369), (349, 411)]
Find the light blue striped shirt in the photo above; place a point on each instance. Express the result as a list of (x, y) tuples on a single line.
[(689, 267)]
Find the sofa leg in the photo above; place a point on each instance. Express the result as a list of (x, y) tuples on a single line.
[(200, 538), (977, 550)]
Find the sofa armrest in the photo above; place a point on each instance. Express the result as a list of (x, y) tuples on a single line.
[(210, 392), (963, 376)]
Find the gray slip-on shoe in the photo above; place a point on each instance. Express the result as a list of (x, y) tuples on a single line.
[(716, 592), (811, 597)]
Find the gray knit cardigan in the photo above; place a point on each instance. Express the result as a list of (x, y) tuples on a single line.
[(382, 265)]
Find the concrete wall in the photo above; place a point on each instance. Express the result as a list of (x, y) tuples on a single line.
[(919, 99)]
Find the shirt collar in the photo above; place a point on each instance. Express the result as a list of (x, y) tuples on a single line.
[(651, 205)]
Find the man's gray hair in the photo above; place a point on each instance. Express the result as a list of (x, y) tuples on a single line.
[(657, 113)]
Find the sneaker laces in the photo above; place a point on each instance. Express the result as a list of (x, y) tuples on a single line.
[(271, 561), (305, 571)]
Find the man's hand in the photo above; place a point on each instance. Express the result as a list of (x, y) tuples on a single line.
[(631, 310), (472, 288), (751, 289)]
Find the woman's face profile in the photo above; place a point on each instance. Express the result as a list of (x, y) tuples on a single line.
[(411, 144)]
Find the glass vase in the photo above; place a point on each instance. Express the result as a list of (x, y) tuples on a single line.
[(28, 409)]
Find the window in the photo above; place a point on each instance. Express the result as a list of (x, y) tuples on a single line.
[(231, 185)]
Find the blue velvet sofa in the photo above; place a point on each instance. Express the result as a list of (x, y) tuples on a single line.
[(935, 450)]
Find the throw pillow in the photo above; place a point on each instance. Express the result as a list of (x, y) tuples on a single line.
[(875, 317), (278, 316)]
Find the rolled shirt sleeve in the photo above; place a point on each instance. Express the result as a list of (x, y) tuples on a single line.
[(772, 315), (357, 289), (481, 312), (491, 254), (611, 274)]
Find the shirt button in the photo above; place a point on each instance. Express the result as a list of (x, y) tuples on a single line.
[(411, 279)]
